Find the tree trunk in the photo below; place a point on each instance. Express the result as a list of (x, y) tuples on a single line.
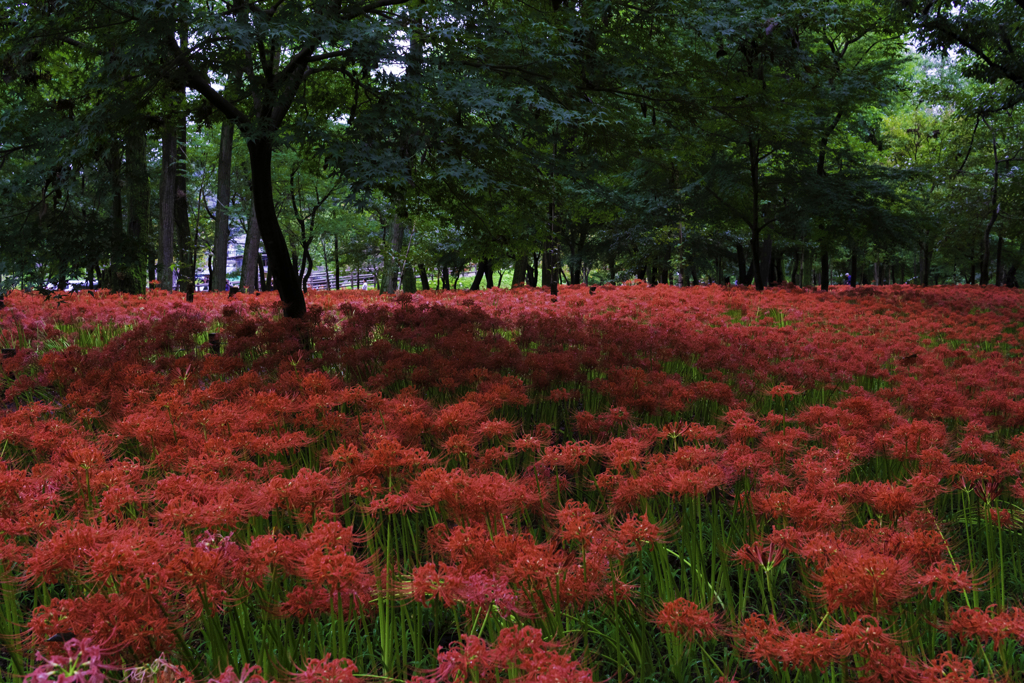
[(408, 279), (396, 235), (999, 262), (519, 271), (755, 219), (764, 271), (741, 265), (251, 257), (116, 278), (137, 186), (285, 278), (481, 270), (824, 267), (853, 267), (424, 278), (169, 164), (445, 282), (555, 263), (183, 234), (117, 200), (222, 232)]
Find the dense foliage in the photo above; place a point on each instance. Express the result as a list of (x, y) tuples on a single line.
[(508, 486), (672, 140)]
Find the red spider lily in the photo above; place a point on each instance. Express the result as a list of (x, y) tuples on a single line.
[(624, 454), (496, 430), (943, 578), (895, 500), (782, 390), (686, 620), (864, 637), (763, 555), (865, 581), (386, 458), (452, 585), (691, 432), (986, 626), (742, 426), (521, 650), (135, 621), (951, 668), (474, 497), (82, 663), (808, 651), (760, 639), (889, 667), (309, 602), (327, 670), (345, 577), (634, 530), (577, 522), (250, 673), (699, 483), (308, 494), (570, 457), (1001, 518)]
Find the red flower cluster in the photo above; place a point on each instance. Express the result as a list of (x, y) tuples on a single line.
[(398, 474)]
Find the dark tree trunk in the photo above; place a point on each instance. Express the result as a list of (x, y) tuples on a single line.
[(445, 283), (219, 269), (755, 222), (285, 278), (519, 271), (554, 268), (183, 233), (489, 274), (424, 278), (999, 262), (853, 267), (169, 165), (824, 267), (396, 235), (741, 265), (763, 275), (481, 269), (611, 268), (128, 269), (117, 203), (926, 265), (251, 266), (408, 279)]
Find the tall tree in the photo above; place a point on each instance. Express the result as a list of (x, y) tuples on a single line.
[(222, 233)]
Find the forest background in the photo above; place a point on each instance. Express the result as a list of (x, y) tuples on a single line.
[(677, 141)]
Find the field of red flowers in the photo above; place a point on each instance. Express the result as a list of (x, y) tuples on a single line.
[(623, 483)]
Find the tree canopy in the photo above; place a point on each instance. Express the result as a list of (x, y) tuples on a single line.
[(671, 140)]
